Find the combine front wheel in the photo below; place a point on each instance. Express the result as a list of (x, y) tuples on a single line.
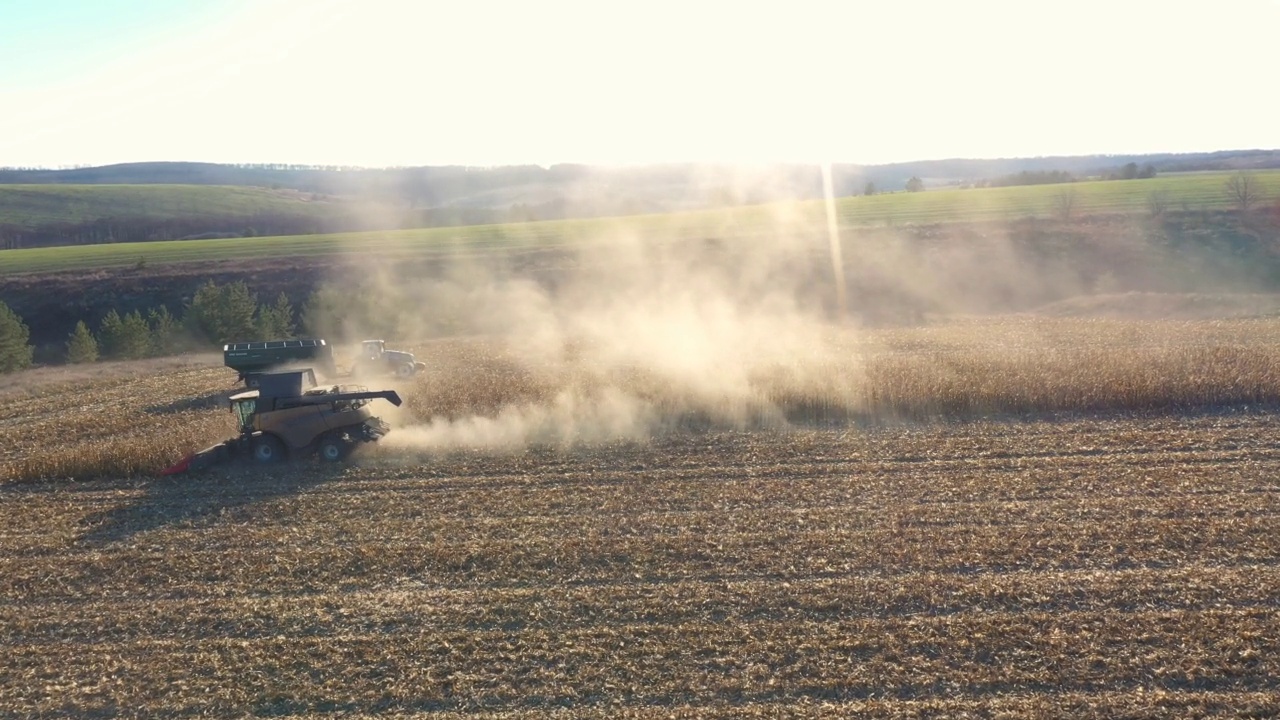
[(333, 448), (267, 449)]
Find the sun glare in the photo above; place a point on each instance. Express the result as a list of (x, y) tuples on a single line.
[(385, 82)]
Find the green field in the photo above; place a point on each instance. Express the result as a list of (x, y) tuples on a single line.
[(1191, 191), (1184, 191), (30, 206), (430, 240)]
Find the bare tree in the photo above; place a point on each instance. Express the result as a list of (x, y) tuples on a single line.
[(1158, 202), (1244, 190), (1064, 203)]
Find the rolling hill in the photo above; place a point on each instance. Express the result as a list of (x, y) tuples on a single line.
[(1183, 192)]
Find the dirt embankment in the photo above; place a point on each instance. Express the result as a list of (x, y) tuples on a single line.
[(1166, 306), (1180, 266), (52, 303), (1114, 569)]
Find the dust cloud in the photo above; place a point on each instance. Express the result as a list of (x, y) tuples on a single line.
[(760, 321), (624, 336)]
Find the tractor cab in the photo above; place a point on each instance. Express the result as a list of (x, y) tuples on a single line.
[(372, 350)]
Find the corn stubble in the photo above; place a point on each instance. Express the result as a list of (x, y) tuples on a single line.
[(1122, 566), (116, 427), (960, 370)]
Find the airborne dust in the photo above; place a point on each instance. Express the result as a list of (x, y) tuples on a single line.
[(629, 335), (639, 331)]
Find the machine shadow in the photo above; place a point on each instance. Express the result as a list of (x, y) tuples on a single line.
[(193, 501), (209, 401), (286, 414)]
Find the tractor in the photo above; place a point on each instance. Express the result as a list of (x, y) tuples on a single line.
[(288, 416), (376, 358)]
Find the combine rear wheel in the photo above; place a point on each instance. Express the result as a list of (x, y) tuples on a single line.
[(267, 449)]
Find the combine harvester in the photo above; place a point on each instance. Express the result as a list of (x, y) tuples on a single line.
[(289, 416)]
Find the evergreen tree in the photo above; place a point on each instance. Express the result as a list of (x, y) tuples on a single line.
[(124, 338), (81, 346), (347, 312), (223, 314), (239, 307), (111, 334), (136, 338), (164, 331), (325, 312), (15, 351), (200, 315), (275, 322)]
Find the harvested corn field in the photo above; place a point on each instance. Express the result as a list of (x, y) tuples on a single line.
[(1116, 567), (1124, 562), (494, 395)]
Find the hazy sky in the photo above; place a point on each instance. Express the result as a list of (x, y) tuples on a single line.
[(393, 82)]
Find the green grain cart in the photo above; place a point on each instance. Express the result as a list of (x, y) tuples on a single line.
[(251, 359)]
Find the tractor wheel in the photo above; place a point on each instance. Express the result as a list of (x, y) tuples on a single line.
[(267, 449), (405, 370), (333, 448)]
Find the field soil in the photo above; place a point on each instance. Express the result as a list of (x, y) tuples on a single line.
[(1165, 306), (1076, 561), (1096, 567)]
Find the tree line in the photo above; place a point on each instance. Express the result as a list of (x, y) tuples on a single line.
[(217, 314), (1128, 171), (146, 229), (142, 228)]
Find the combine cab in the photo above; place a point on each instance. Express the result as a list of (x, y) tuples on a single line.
[(288, 416)]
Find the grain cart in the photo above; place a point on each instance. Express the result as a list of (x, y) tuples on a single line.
[(376, 358), (288, 416), (251, 359)]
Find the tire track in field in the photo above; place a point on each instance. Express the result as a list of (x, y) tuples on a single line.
[(782, 572)]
